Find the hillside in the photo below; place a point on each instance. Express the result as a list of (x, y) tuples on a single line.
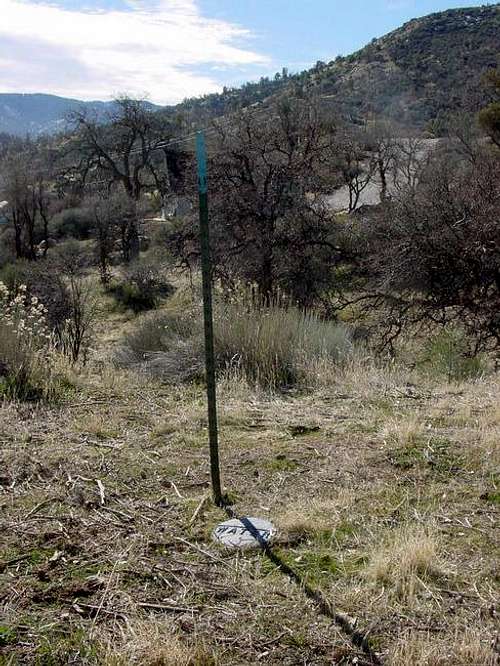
[(427, 68), (348, 320), (37, 114), (381, 481)]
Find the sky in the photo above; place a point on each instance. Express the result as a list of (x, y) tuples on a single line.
[(167, 50)]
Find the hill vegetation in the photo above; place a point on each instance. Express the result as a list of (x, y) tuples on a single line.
[(420, 73)]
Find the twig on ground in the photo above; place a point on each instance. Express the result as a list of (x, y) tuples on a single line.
[(199, 508)]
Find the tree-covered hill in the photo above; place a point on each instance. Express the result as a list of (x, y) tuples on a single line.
[(418, 73), (426, 68)]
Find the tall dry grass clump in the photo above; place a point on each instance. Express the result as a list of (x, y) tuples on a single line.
[(469, 648), (275, 344), (271, 345), (27, 360), (167, 344), (406, 562)]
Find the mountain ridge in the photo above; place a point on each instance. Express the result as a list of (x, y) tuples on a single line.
[(417, 74), (41, 113)]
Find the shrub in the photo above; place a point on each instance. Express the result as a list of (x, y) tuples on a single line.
[(27, 369), (7, 244), (271, 345), (142, 289), (60, 285), (43, 281), (75, 336), (165, 344), (448, 354), (73, 222), (431, 256), (274, 344)]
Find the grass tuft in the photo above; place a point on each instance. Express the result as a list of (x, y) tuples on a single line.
[(467, 649), (405, 562)]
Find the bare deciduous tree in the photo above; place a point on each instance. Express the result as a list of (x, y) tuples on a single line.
[(77, 332), (355, 163), (124, 149), (410, 155), (269, 223), (128, 150), (26, 187), (383, 144)]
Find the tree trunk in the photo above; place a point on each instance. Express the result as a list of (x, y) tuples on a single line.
[(17, 235), (383, 181)]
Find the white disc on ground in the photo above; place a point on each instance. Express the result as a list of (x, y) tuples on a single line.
[(244, 532)]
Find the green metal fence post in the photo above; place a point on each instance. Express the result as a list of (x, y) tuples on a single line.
[(206, 271)]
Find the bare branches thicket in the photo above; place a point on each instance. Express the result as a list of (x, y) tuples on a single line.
[(434, 252), (25, 185), (105, 231), (116, 222), (383, 145), (76, 335), (272, 227), (356, 164)]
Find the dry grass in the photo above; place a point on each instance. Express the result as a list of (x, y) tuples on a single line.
[(367, 377), (153, 644), (406, 562), (469, 648), (126, 573), (314, 516), (404, 432), (278, 344), (270, 346)]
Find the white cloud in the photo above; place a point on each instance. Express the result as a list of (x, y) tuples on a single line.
[(153, 46)]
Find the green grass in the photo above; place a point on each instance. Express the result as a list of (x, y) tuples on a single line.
[(491, 497), (319, 566), (435, 454), (59, 649), (447, 355), (282, 464), (8, 635), (343, 532)]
